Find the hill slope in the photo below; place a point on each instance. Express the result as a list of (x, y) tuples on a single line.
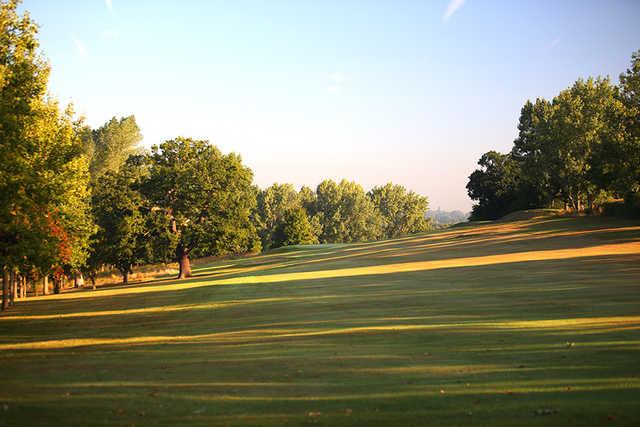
[(531, 322)]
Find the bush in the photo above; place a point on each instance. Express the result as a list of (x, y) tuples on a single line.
[(629, 207)]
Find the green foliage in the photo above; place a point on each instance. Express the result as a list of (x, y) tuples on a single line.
[(530, 150), (23, 80), (346, 213), (578, 149), (111, 144), (563, 146), (297, 229), (272, 206), (402, 211), (496, 186), (626, 170), (119, 210), (307, 198), (44, 210), (630, 82), (337, 213), (580, 120), (206, 197)]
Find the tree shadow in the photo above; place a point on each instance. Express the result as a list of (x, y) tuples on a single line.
[(526, 341)]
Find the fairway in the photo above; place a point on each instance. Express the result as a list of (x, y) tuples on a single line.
[(532, 322)]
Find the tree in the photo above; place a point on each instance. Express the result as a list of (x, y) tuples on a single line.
[(297, 229), (111, 144), (346, 213), (531, 150), (568, 148), (581, 119), (23, 80), (495, 185), (43, 173), (308, 200), (118, 206), (625, 168), (272, 205), (206, 197), (402, 211)]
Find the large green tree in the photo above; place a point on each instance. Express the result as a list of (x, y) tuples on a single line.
[(346, 213), (625, 168), (495, 185), (120, 213), (572, 149), (531, 149), (402, 211), (582, 118), (44, 220), (205, 195)]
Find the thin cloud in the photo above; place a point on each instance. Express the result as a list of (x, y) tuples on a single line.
[(79, 47), (337, 77), (336, 81), (453, 7), (333, 88), (109, 5), (110, 34)]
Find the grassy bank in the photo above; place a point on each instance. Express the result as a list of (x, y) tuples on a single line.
[(532, 322)]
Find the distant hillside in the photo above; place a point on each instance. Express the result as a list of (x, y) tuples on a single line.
[(440, 217)]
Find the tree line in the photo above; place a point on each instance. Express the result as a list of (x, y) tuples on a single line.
[(187, 199), (75, 199), (578, 151)]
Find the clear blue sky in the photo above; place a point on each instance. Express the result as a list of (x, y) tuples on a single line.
[(373, 91)]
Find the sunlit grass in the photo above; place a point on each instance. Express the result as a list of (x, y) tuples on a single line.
[(618, 323), (531, 322), (406, 267)]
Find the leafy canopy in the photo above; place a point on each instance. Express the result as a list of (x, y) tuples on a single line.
[(206, 196)]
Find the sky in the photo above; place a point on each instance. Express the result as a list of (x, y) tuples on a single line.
[(374, 91)]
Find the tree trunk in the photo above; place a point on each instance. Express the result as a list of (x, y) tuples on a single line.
[(78, 279), (185, 264), (92, 276), (18, 292), (13, 288), (45, 285), (125, 277), (23, 287), (5, 289)]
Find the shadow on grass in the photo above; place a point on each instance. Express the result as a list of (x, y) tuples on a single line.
[(521, 341)]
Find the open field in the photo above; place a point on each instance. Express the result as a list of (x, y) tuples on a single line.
[(533, 322)]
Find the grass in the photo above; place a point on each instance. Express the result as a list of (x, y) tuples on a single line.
[(531, 322)]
